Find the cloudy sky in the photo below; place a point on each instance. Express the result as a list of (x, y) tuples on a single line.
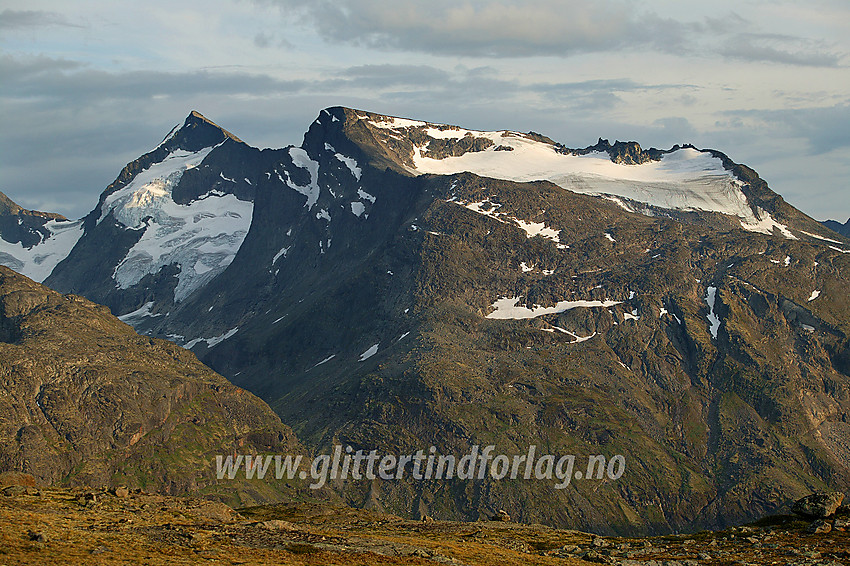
[(89, 85)]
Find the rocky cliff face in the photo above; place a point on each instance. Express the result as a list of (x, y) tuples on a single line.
[(87, 401), (402, 285)]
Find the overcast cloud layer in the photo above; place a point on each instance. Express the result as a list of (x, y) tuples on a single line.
[(87, 86)]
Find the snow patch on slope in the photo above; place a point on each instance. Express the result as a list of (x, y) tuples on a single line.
[(38, 262), (311, 190), (351, 163), (576, 338), (764, 223), (507, 308), (825, 239), (531, 229), (713, 320), (283, 251), (143, 312), (373, 349), (326, 360), (358, 208), (393, 123), (211, 341)]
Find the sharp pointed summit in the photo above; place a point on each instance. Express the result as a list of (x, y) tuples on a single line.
[(198, 132)]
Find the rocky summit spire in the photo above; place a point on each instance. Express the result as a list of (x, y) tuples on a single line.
[(198, 132)]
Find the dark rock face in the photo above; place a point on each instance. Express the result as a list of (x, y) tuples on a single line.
[(417, 278), (818, 505), (88, 401)]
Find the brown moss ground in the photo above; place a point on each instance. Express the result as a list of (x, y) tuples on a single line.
[(49, 526)]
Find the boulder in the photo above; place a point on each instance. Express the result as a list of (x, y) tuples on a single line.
[(17, 478), (121, 491), (819, 527), (818, 505)]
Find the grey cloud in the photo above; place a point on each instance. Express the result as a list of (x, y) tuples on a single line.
[(607, 85), (597, 95), (676, 127), (779, 49), (16, 69), (53, 78), (262, 40), (421, 83), (19, 19), (825, 129), (562, 28), (390, 75), (589, 86), (483, 28), (725, 25)]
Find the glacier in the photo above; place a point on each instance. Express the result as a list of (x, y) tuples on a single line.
[(201, 237), (686, 179)]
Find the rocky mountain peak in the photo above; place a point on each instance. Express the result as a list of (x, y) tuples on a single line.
[(9, 208), (198, 132), (835, 226), (626, 153)]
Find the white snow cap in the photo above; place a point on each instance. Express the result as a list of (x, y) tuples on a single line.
[(686, 179)]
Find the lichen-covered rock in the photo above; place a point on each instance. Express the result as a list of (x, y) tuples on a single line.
[(818, 505)]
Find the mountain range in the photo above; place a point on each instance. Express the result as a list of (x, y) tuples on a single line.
[(394, 284), (843, 229)]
